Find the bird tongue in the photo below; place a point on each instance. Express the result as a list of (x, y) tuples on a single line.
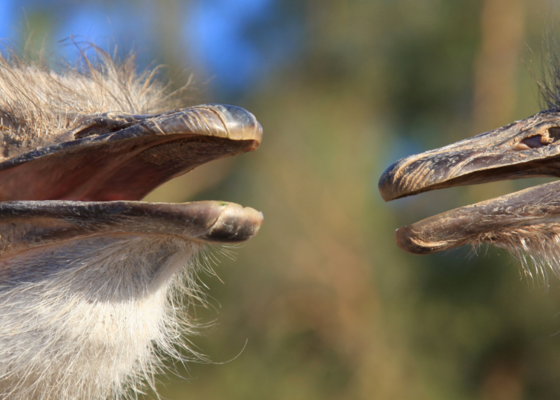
[(488, 221)]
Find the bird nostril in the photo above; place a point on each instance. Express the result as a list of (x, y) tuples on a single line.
[(532, 142)]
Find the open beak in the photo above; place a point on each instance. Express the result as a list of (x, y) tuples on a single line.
[(87, 181), (527, 148)]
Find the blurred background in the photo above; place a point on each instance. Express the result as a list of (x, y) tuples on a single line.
[(322, 304)]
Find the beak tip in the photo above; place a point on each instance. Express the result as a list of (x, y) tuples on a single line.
[(235, 224), (386, 187), (402, 238), (240, 123), (390, 183), (407, 239)]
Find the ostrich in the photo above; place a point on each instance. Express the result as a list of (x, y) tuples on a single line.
[(526, 223), (92, 281)]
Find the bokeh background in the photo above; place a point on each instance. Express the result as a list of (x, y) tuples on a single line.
[(322, 304)]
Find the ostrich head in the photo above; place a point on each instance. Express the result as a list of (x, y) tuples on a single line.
[(92, 280), (527, 223)]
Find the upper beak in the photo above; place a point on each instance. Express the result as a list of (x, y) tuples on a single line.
[(525, 148), (114, 156)]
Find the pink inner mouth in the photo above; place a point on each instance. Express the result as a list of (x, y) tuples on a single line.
[(125, 169)]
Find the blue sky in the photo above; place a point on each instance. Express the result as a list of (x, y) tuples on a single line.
[(233, 41)]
